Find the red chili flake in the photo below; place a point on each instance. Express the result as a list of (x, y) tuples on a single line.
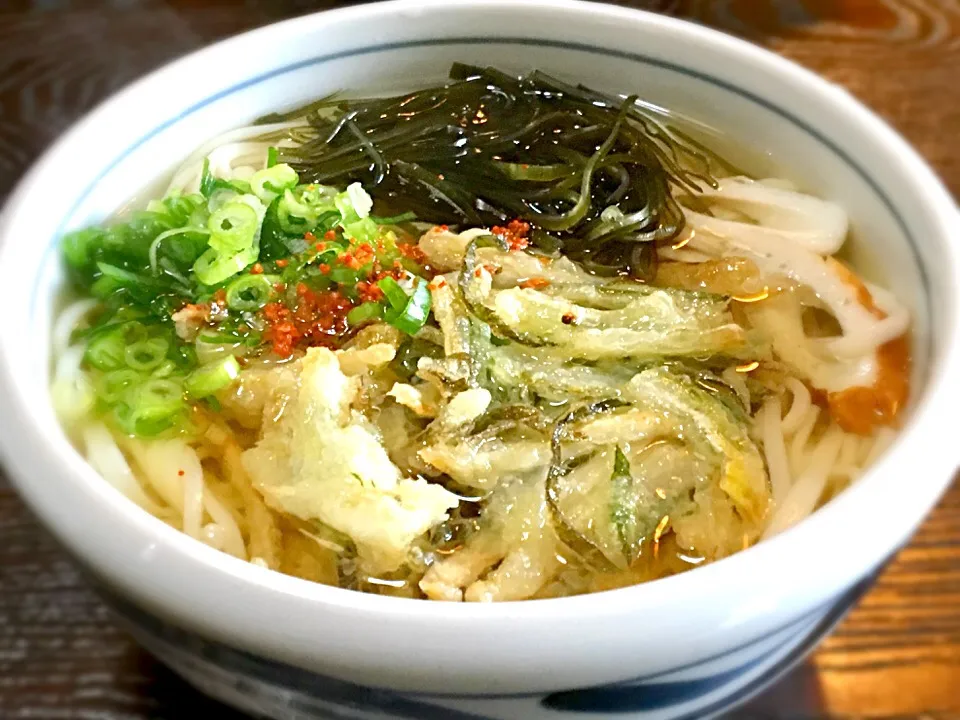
[(568, 318), (515, 233), (257, 269), (220, 297), (309, 236), (320, 246), (369, 292), (440, 228), (282, 263), (363, 254), (275, 312), (312, 318), (330, 235), (323, 268), (283, 336), (437, 283), (412, 252), (535, 283), (181, 473), (272, 310), (350, 260), (279, 287)]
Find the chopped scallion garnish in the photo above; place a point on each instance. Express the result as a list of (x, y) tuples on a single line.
[(364, 313), (249, 292), (413, 316), (210, 378)]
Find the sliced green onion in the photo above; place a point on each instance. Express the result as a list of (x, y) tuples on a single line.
[(249, 292), (220, 197), (207, 181), (210, 378), (155, 245), (184, 356), (272, 156), (307, 207), (233, 227), (164, 369), (106, 350), (365, 230), (157, 206), (396, 295), (328, 255), (146, 354), (364, 313), (160, 395), (327, 221), (221, 338), (114, 385), (319, 196), (301, 204), (414, 315), (151, 408), (210, 184), (113, 278), (344, 275), (292, 217), (269, 184), (80, 248), (353, 203), (212, 268), (134, 331)]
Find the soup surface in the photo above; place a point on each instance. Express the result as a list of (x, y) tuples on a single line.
[(503, 339)]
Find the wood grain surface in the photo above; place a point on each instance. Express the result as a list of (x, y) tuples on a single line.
[(897, 655)]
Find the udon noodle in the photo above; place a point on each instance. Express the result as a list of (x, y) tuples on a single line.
[(500, 340)]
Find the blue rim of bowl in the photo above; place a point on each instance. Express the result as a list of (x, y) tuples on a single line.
[(537, 42), (613, 699), (634, 696)]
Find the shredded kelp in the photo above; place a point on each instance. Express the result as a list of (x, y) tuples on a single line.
[(591, 172)]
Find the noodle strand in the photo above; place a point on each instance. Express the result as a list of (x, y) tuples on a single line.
[(803, 496), (775, 450)]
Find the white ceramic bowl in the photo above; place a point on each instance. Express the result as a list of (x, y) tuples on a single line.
[(687, 646)]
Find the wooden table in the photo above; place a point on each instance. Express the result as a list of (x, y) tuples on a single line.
[(896, 655)]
